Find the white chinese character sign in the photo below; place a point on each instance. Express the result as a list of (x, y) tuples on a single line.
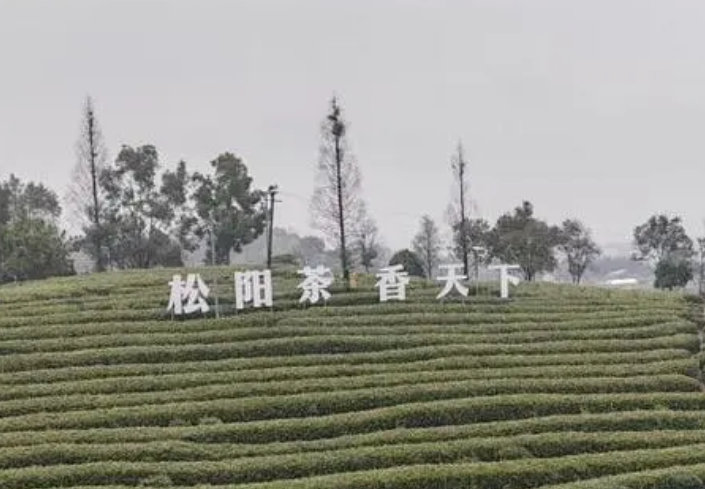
[(315, 284), (452, 281), (505, 278), (392, 283), (254, 287), (188, 296)]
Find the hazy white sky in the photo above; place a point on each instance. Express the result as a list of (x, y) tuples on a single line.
[(592, 109)]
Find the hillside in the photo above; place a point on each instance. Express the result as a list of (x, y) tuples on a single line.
[(99, 388)]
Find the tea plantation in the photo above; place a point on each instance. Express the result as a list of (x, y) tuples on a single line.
[(560, 387)]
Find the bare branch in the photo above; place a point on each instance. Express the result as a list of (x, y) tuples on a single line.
[(336, 200)]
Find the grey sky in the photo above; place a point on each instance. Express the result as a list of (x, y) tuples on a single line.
[(589, 109)]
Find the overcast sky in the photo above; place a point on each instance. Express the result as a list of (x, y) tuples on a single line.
[(592, 109)]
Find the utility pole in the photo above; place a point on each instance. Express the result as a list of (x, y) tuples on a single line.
[(211, 238), (478, 252), (272, 190)]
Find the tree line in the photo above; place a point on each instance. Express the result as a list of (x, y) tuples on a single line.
[(135, 212)]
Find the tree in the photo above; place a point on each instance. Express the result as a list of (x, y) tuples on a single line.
[(35, 249), (85, 193), (577, 245), (411, 262), (139, 217), (31, 244), (661, 237), (366, 241), (336, 199), (460, 208), (521, 239), (673, 272), (226, 205), (664, 241), (701, 265), (478, 234), (427, 245), (311, 249)]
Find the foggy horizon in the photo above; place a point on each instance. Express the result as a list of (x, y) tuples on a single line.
[(589, 110)]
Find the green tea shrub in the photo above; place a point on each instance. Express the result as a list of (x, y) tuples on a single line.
[(682, 480)]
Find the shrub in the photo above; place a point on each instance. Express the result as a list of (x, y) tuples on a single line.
[(410, 261), (513, 452), (673, 273), (210, 420), (157, 481), (681, 480)]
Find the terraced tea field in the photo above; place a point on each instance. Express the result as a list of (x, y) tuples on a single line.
[(560, 387)]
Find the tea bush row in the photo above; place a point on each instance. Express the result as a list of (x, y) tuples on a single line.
[(339, 414), (389, 335), (283, 466), (290, 398), (677, 477), (302, 378), (47, 368), (465, 318), (326, 345), (295, 471), (250, 324), (260, 437)]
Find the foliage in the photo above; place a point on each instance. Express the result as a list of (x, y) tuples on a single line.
[(673, 272), (661, 237), (31, 244), (285, 260), (478, 234), (139, 215), (410, 261), (157, 481), (427, 245), (681, 480), (311, 249), (34, 249), (699, 266), (226, 204), (522, 239), (578, 247)]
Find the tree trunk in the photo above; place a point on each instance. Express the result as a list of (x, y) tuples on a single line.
[(98, 238), (463, 228), (429, 265), (341, 215)]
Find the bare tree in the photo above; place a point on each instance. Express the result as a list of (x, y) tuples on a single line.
[(366, 239), (336, 198), (85, 194), (427, 244), (461, 206)]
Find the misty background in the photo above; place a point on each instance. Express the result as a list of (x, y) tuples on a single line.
[(591, 110)]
